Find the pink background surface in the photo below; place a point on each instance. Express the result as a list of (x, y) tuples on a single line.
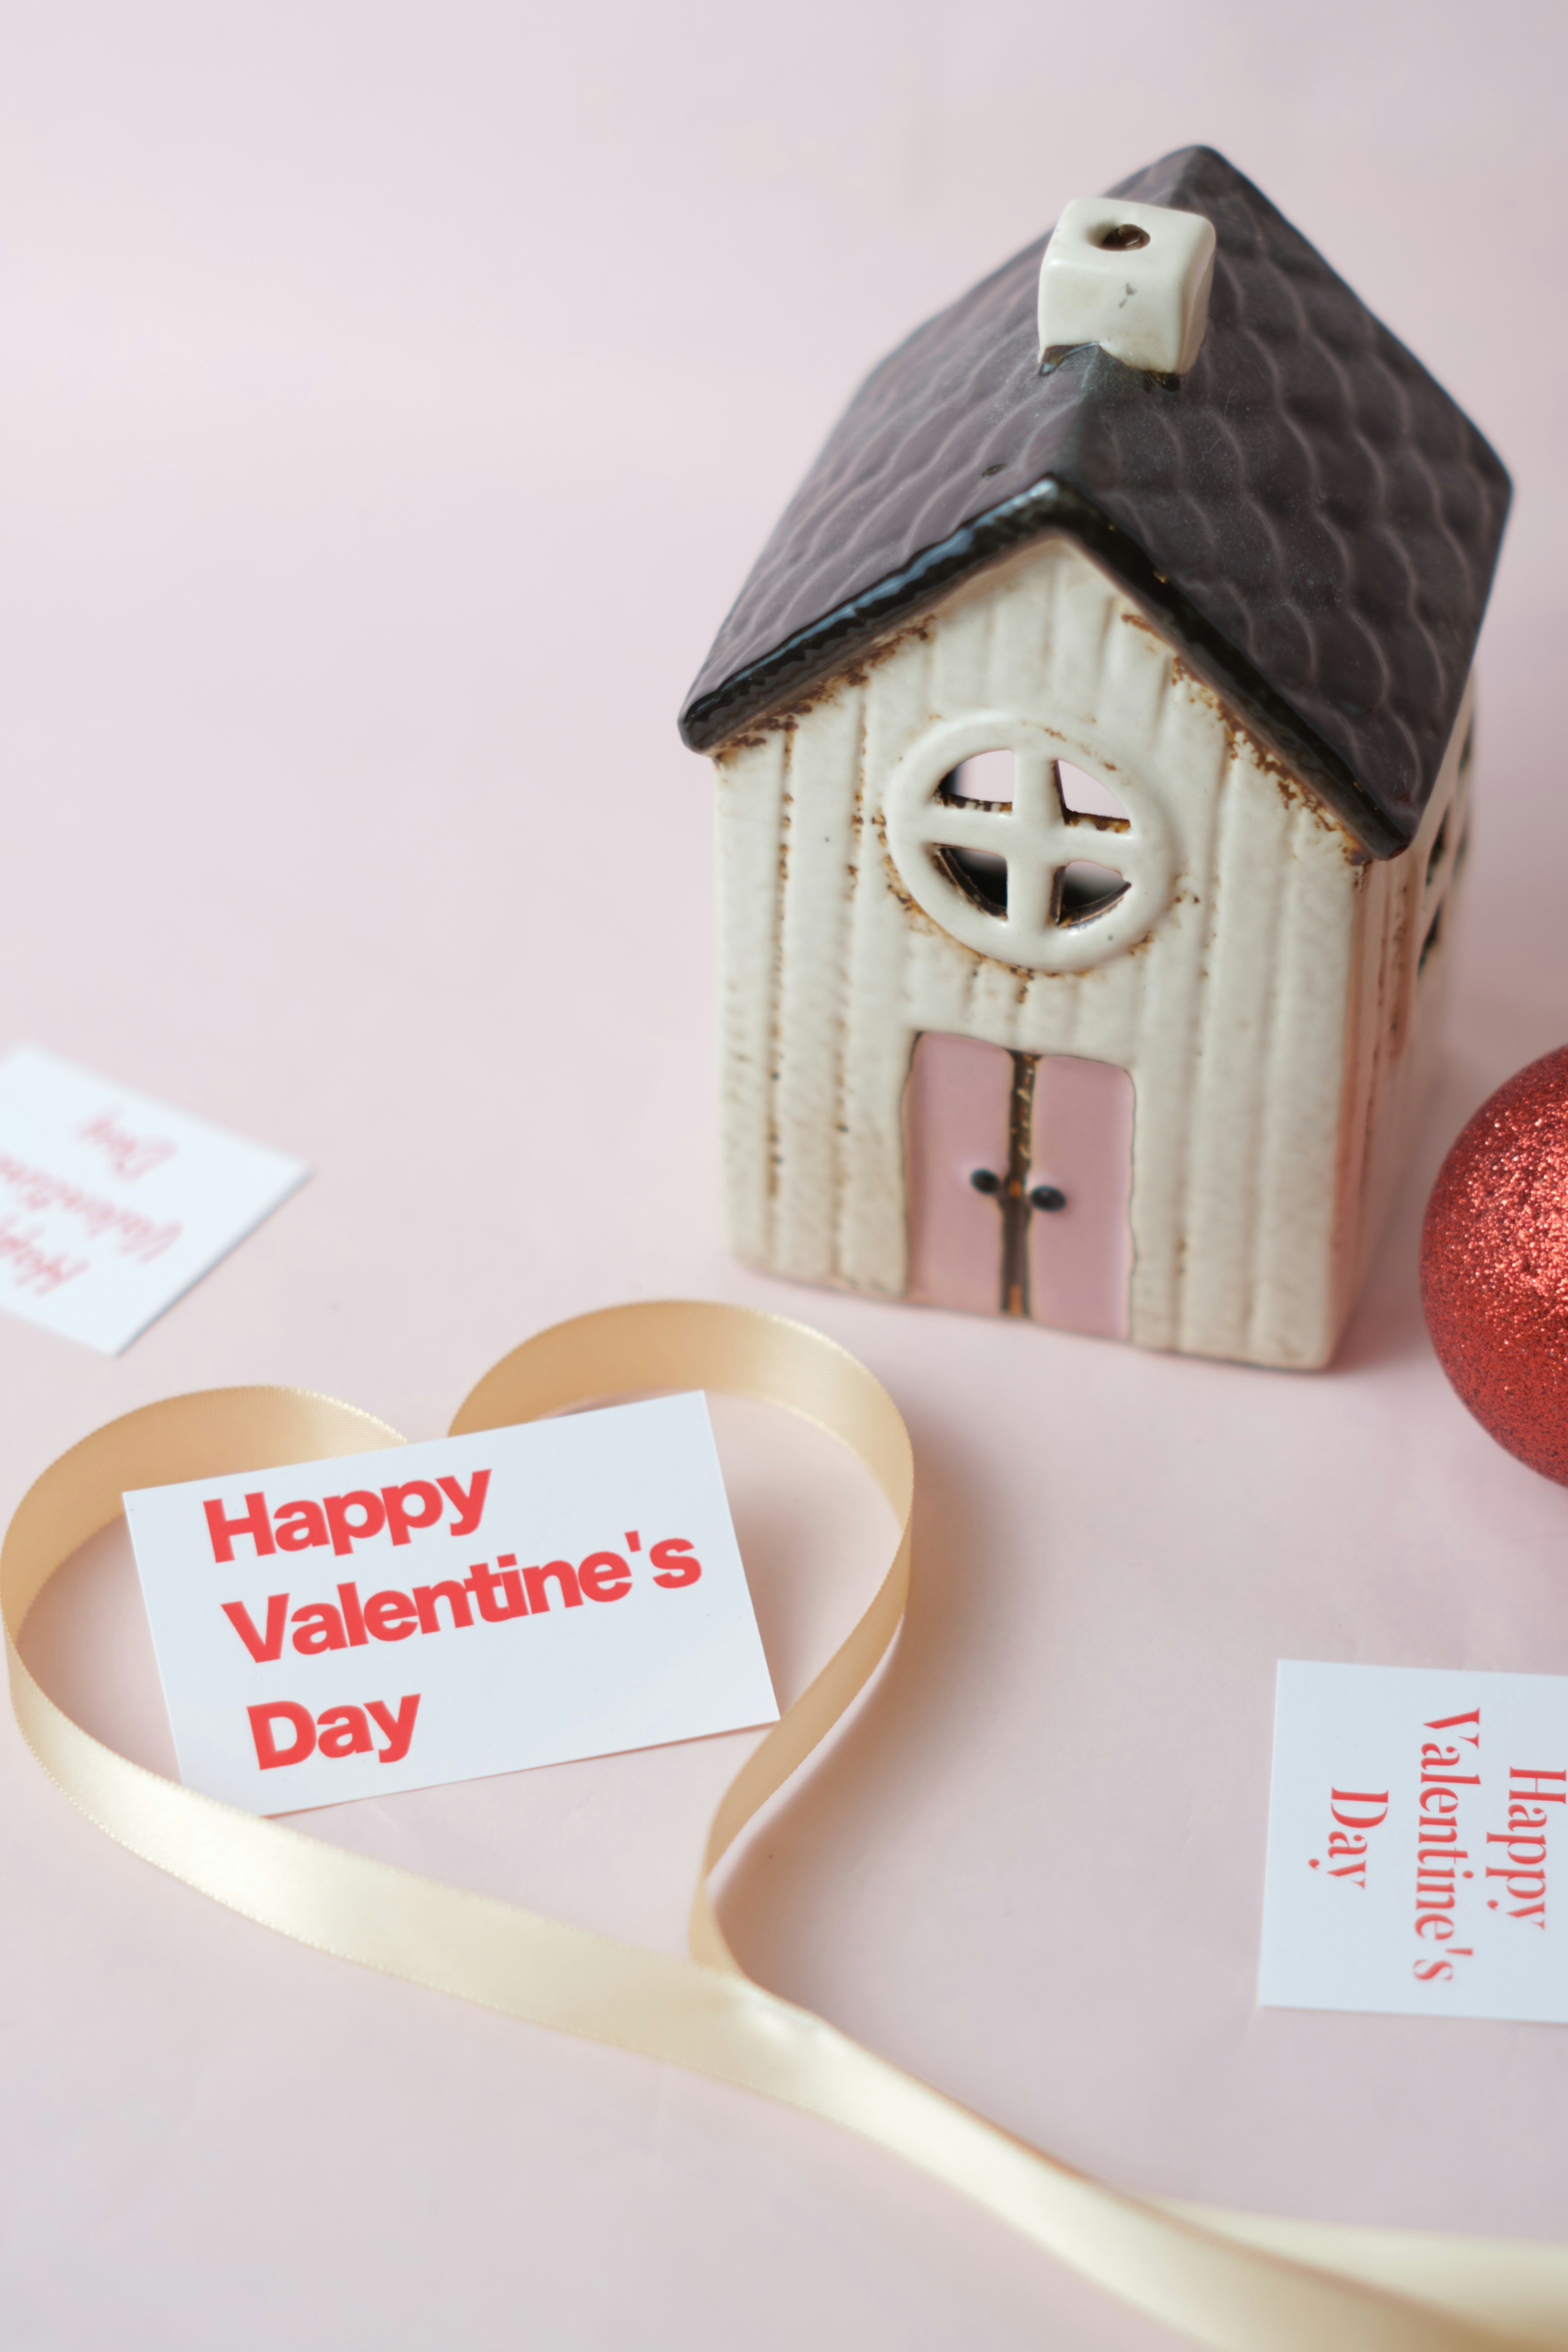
[(393, 399)]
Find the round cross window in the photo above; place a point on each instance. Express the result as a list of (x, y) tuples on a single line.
[(1021, 867)]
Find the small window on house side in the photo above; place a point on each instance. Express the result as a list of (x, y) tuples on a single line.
[(1439, 845), (1434, 934)]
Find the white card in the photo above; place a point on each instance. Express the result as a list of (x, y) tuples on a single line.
[(440, 1612), (1418, 1842), (113, 1204)]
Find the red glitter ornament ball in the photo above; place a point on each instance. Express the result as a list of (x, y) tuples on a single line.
[(1494, 1265)]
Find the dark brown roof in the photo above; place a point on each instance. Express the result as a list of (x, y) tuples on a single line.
[(1307, 513)]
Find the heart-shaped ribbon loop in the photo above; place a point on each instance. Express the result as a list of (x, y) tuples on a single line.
[(1240, 2282)]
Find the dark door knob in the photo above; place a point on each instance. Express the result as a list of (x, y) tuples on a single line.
[(985, 1180), (1047, 1196)]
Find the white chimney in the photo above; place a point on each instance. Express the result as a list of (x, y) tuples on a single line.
[(1133, 278)]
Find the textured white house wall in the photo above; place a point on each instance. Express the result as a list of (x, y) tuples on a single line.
[(751, 896), (822, 770), (1397, 1006), (1254, 1016)]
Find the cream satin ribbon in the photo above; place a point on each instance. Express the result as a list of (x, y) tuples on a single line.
[(1241, 2282)]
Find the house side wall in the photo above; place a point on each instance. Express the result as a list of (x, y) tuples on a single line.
[(1399, 991), (1233, 1015)]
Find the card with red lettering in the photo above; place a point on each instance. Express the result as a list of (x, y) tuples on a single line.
[(1417, 1833), (112, 1205), (445, 1610)]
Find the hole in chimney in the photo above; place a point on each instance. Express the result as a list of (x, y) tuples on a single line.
[(1124, 238)]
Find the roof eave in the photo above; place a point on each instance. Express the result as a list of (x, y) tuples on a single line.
[(794, 672)]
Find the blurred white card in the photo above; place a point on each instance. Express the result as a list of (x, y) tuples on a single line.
[(439, 1612), (1418, 1842), (113, 1204)]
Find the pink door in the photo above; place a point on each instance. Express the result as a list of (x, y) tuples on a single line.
[(957, 1109), (1018, 1170), (1080, 1254)]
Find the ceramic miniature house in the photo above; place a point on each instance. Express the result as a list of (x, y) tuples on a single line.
[(1092, 740)]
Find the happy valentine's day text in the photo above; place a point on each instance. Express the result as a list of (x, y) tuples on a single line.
[(500, 1594), (1444, 1787)]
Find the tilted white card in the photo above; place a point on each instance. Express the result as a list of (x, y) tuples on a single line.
[(444, 1611), (112, 1205), (1418, 1842)]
